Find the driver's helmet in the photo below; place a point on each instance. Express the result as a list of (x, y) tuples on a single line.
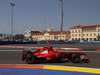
[(51, 48), (45, 48)]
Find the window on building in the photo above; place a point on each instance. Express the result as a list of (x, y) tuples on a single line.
[(90, 34), (76, 31), (95, 39), (75, 38), (72, 39), (90, 38), (86, 34), (72, 34), (99, 34), (79, 30), (83, 39), (75, 34), (86, 39), (94, 34), (98, 30)]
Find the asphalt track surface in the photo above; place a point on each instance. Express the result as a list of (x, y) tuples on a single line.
[(84, 45), (14, 57)]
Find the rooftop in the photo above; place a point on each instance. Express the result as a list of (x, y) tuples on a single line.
[(85, 26)]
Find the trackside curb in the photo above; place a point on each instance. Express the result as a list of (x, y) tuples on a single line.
[(21, 66), (53, 67), (75, 69)]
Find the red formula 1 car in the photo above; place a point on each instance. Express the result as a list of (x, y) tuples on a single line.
[(49, 54)]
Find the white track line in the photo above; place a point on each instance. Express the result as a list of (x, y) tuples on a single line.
[(11, 50)]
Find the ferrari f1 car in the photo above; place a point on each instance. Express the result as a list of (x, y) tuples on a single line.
[(49, 54)]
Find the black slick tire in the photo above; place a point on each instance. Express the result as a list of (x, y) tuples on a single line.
[(30, 59), (76, 59)]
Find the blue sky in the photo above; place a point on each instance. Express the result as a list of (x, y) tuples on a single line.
[(39, 14)]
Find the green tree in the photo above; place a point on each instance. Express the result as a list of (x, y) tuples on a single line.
[(19, 37)]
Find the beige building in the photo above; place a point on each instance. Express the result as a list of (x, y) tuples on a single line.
[(57, 35), (37, 35), (53, 35), (88, 33), (47, 35)]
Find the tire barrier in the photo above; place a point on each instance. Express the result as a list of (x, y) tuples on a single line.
[(46, 70)]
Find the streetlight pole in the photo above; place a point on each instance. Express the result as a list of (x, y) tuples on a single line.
[(12, 4), (62, 15)]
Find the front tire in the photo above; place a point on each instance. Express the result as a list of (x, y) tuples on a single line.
[(30, 58), (84, 59)]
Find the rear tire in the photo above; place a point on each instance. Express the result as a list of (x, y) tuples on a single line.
[(30, 58), (76, 59)]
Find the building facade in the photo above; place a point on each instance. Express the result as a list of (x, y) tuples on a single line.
[(37, 35), (86, 33), (57, 35), (51, 35)]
